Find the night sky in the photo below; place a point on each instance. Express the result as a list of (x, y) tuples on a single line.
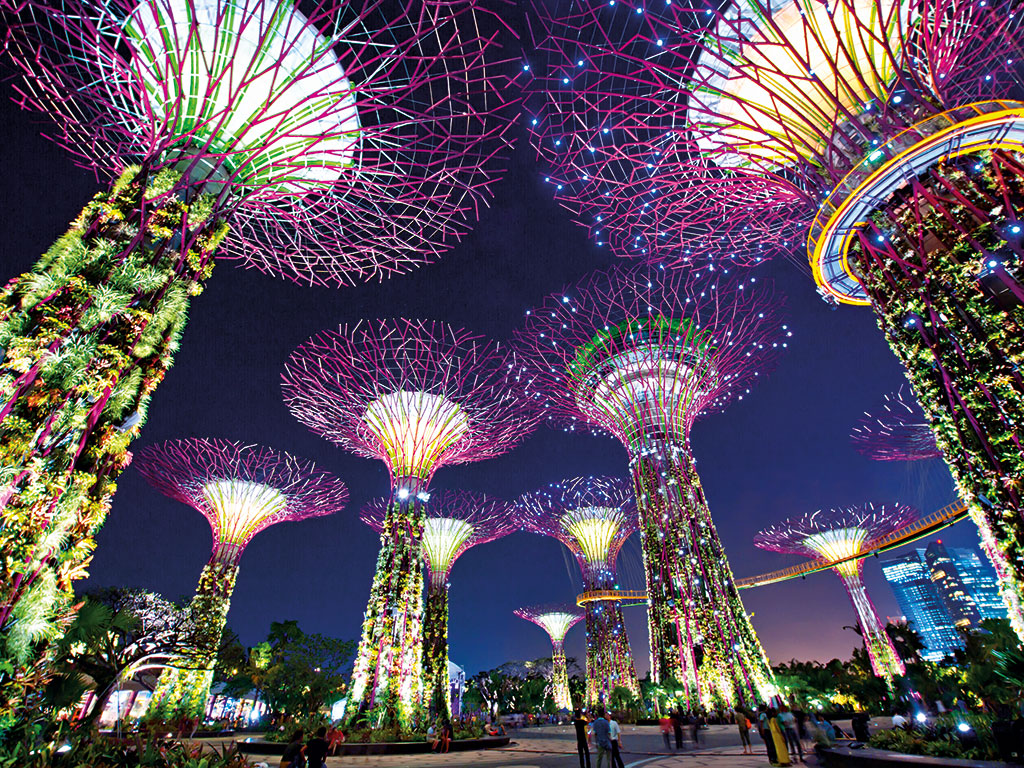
[(781, 451)]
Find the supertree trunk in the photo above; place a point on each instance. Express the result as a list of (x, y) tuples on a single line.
[(885, 661), (386, 674), (436, 687), (609, 658), (560, 676), (86, 337), (940, 266), (184, 687), (701, 636)]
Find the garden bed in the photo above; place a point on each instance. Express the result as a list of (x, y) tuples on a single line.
[(868, 757), (379, 747)]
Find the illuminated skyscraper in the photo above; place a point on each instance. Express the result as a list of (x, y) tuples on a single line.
[(911, 582), (979, 579), (950, 587)]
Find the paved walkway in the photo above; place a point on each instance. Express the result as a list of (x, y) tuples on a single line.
[(555, 747)]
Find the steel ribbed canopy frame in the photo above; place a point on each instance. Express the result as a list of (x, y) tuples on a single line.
[(556, 619), (593, 517), (346, 143), (883, 135), (827, 535), (454, 521), (641, 354), (241, 489), (417, 395)]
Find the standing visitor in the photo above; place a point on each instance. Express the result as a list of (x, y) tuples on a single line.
[(317, 749), (860, 727), (899, 721), (665, 723), (778, 739), (292, 757), (788, 722), (677, 727), (743, 725), (695, 721), (765, 733), (601, 729), (580, 723), (616, 735)]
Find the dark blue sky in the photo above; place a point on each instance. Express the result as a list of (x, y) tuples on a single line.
[(781, 451)]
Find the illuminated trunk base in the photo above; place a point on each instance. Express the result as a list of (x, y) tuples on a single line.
[(941, 266), (609, 658), (386, 679), (182, 689), (436, 686), (885, 661), (85, 338), (702, 642), (560, 677)]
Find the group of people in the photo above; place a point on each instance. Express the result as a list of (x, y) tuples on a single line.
[(784, 731), (314, 752), (674, 723), (606, 735), (440, 738)]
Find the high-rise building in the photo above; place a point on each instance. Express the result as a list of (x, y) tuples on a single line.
[(950, 585), (925, 612), (980, 580)]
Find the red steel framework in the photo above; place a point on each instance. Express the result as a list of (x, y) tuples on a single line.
[(417, 395)]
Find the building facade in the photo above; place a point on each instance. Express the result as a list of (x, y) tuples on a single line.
[(911, 582)]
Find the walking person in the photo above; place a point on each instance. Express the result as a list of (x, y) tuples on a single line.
[(580, 724), (615, 731), (694, 723), (743, 726), (677, 727), (765, 733), (788, 722), (601, 730), (665, 723), (778, 739)]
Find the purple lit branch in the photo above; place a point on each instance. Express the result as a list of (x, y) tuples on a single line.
[(896, 431), (240, 489), (350, 143), (660, 125), (416, 394), (454, 521)]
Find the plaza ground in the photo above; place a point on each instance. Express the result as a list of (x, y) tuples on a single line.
[(555, 747)]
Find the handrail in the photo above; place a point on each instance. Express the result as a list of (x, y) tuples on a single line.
[(610, 595), (949, 514)]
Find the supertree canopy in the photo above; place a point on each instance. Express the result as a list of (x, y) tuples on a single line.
[(241, 490), (840, 535), (895, 431), (879, 131), (339, 143), (556, 620), (416, 395), (593, 517), (640, 355), (453, 522)]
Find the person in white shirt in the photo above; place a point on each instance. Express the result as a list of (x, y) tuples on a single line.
[(899, 721), (615, 733)]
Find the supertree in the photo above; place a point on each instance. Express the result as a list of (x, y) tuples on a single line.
[(241, 490), (640, 355), (842, 535), (875, 130), (339, 143), (897, 431), (453, 522), (417, 395), (593, 517), (556, 619)]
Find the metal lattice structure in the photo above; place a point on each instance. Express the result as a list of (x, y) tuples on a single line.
[(885, 136), (895, 431), (556, 619), (351, 141), (417, 395), (593, 517), (843, 533), (344, 142), (454, 521), (640, 355), (241, 489)]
